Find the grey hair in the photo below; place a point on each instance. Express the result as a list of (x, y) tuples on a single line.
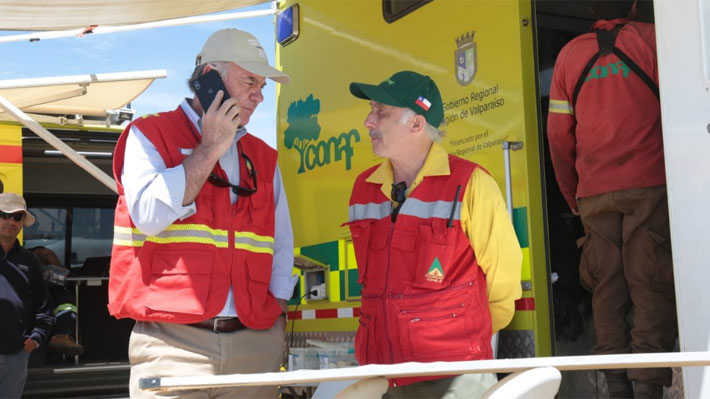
[(220, 66), (432, 132)]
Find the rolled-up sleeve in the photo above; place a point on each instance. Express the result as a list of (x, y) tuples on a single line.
[(153, 192), (486, 222), (282, 281)]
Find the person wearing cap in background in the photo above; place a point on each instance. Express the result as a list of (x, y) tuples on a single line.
[(203, 246), (438, 258), (25, 307)]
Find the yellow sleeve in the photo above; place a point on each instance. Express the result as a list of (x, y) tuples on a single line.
[(486, 222)]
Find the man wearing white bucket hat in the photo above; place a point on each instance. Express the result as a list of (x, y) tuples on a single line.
[(25, 307), (203, 246)]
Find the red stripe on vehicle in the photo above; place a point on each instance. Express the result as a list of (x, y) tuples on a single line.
[(322, 314), (10, 153), (326, 313), (525, 304)]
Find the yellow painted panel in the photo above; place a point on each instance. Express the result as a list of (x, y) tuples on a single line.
[(321, 140), (323, 144), (523, 320), (11, 177), (333, 285), (342, 265), (324, 325), (525, 272), (10, 134)]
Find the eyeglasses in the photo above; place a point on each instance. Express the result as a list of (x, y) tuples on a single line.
[(239, 190), (18, 216)]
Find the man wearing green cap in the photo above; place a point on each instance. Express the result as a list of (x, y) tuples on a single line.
[(438, 258)]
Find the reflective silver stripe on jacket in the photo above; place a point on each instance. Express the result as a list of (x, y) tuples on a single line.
[(434, 209), (412, 207), (127, 237), (371, 210)]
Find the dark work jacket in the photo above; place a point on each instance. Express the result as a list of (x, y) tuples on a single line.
[(25, 307)]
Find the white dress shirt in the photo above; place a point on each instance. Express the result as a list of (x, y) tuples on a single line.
[(154, 195)]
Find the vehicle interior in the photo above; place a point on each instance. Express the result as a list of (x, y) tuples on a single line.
[(74, 215)]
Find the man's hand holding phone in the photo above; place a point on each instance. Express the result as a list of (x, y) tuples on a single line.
[(220, 123), (220, 115)]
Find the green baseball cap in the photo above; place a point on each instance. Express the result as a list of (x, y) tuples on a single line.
[(405, 89)]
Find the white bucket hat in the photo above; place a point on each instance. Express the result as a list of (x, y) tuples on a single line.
[(11, 203), (241, 48)]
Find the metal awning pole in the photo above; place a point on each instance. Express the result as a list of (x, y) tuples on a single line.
[(84, 79), (58, 144), (507, 147), (589, 362)]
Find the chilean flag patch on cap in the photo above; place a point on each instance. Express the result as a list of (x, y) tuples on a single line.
[(423, 102)]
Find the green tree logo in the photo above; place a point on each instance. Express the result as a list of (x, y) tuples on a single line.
[(302, 135), (303, 127)]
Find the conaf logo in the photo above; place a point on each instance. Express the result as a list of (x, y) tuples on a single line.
[(303, 132)]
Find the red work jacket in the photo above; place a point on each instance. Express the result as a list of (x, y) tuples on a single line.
[(183, 274), (611, 139), (423, 295)]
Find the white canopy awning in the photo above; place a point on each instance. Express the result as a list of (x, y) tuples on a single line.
[(43, 15), (91, 95), (87, 95), (81, 94)]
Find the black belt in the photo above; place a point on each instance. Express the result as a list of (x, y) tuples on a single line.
[(220, 324)]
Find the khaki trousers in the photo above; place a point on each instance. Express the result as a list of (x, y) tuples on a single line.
[(626, 261), (171, 350), (466, 386)]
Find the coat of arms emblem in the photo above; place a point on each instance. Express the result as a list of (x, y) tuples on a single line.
[(465, 58)]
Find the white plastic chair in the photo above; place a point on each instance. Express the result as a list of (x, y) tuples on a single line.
[(371, 388), (538, 383)]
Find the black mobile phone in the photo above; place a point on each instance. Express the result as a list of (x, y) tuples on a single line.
[(206, 87)]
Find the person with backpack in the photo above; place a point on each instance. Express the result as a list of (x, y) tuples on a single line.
[(606, 143)]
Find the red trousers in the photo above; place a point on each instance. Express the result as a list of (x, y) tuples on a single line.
[(626, 263)]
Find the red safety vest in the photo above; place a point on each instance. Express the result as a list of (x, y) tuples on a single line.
[(183, 274), (423, 294)]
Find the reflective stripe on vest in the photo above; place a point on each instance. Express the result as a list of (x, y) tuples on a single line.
[(412, 207), (253, 242), (176, 233), (369, 211), (561, 107), (65, 307)]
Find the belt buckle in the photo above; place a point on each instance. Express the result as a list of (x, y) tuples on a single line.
[(216, 321)]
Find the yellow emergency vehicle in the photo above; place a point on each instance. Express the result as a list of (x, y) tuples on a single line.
[(481, 54), (492, 61)]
